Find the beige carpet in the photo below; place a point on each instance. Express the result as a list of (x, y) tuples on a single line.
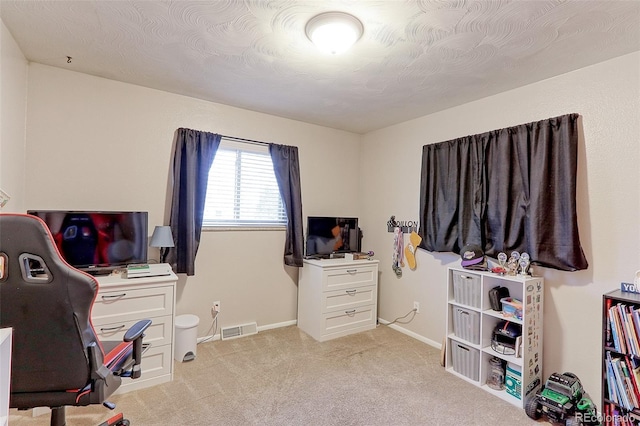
[(284, 377)]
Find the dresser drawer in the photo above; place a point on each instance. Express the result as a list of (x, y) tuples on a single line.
[(349, 277), (156, 361), (132, 304), (159, 332), (348, 319), (348, 299)]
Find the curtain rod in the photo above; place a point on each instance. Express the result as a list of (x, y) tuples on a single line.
[(233, 138)]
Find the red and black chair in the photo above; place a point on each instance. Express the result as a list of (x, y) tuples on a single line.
[(57, 360)]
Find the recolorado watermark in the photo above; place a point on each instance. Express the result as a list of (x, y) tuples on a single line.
[(595, 419)]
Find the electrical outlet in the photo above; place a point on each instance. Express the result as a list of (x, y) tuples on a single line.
[(215, 309), (416, 307)]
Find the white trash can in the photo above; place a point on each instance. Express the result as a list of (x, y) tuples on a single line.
[(186, 338)]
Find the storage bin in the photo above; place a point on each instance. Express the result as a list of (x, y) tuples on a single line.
[(511, 307), (513, 381), (465, 360), (466, 324), (466, 288)]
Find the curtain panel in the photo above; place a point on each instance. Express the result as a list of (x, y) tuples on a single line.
[(193, 156), (286, 167), (508, 189)]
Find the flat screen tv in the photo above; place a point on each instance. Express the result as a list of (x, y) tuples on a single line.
[(98, 241), (327, 235)]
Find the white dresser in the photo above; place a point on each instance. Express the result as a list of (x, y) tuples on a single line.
[(121, 303), (337, 297)]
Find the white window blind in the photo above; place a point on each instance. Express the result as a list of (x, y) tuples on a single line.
[(242, 188)]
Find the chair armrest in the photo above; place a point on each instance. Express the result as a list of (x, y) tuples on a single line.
[(136, 331), (135, 335)]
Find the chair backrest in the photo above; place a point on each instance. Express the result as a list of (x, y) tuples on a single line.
[(48, 304)]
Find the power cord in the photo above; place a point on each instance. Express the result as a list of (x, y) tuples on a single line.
[(397, 320), (214, 323)]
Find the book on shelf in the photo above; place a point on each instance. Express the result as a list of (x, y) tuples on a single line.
[(633, 378), (618, 338), (623, 328), (631, 332), (635, 315), (611, 384), (607, 325), (614, 416), (623, 394), (622, 376), (628, 385)]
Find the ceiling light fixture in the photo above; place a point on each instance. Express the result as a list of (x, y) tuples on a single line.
[(334, 32)]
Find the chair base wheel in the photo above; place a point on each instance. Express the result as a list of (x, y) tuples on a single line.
[(117, 420)]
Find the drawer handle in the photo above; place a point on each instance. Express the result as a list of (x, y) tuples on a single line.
[(145, 347), (118, 327), (352, 271), (350, 313), (115, 296), (350, 292)]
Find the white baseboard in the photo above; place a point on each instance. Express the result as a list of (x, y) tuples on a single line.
[(396, 327), (211, 338), (208, 338), (410, 333), (277, 325)]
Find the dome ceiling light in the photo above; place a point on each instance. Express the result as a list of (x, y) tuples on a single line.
[(334, 32)]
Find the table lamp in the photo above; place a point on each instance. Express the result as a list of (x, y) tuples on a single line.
[(163, 239)]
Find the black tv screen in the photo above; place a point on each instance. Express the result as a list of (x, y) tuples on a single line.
[(97, 240), (327, 235)]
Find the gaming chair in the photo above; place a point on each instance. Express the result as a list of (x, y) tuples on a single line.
[(57, 359)]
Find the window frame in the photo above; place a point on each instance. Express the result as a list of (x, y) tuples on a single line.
[(209, 225)]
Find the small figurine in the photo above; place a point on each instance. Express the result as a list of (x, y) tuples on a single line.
[(512, 263), (502, 261), (525, 263)]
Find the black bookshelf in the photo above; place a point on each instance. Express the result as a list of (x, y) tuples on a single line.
[(620, 359)]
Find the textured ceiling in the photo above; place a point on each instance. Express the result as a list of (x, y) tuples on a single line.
[(415, 57)]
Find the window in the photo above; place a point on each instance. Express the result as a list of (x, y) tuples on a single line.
[(242, 189)]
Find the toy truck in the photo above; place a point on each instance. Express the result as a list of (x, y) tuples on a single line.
[(563, 400)]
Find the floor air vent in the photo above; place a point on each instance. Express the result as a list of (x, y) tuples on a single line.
[(239, 331)]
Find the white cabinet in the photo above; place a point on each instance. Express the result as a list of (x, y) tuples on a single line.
[(121, 303), (470, 325), (337, 297)]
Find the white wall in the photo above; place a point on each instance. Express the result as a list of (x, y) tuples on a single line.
[(94, 143), (13, 104), (607, 96), (98, 144)]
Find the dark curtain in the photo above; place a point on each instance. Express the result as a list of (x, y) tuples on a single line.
[(509, 189), (287, 170), (193, 156)]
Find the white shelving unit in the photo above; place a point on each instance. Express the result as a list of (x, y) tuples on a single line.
[(470, 324)]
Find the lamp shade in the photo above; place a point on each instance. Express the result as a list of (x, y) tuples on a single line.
[(334, 32), (162, 237)]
